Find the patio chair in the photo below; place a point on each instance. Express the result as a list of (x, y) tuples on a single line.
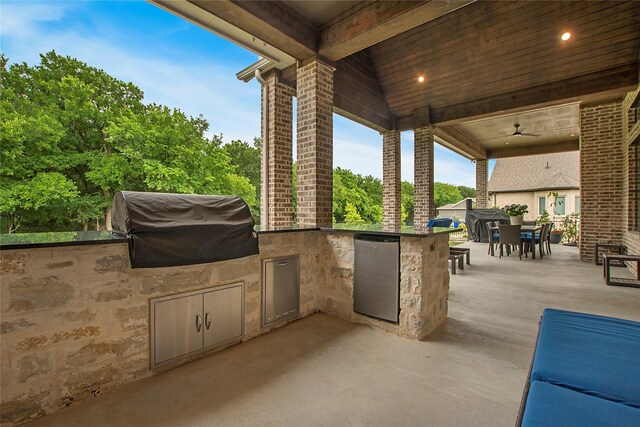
[(544, 245), (548, 233), (493, 238), (541, 239), (510, 236)]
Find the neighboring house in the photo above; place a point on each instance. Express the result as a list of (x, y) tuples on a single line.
[(455, 210), (528, 180)]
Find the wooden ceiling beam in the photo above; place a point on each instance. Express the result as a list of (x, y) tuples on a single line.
[(572, 144), (271, 22), (623, 78), (460, 141), (377, 22), (358, 113)]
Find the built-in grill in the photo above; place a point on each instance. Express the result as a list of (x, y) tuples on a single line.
[(180, 229)]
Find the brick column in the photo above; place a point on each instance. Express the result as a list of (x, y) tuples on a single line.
[(482, 188), (315, 144), (279, 148), (601, 176), (391, 182), (423, 205)]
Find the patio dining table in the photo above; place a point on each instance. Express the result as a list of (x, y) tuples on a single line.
[(530, 229)]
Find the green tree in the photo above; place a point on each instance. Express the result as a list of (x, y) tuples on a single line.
[(352, 216), (72, 135), (364, 193), (245, 158), (407, 201), (444, 194), (466, 191)]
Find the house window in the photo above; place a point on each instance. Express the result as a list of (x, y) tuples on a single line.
[(542, 205), (577, 209), (558, 209)]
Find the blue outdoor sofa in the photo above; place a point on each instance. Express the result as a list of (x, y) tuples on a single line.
[(585, 372)]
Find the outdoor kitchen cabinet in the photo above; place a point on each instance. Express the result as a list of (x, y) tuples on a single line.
[(191, 322), (280, 289)]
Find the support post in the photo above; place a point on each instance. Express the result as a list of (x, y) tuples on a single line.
[(276, 210), (391, 182), (482, 188), (423, 200), (315, 144)]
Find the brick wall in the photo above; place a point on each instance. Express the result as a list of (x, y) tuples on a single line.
[(391, 182), (482, 189), (315, 144), (423, 205), (602, 166), (279, 143)]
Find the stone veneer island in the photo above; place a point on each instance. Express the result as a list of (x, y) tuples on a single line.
[(75, 318)]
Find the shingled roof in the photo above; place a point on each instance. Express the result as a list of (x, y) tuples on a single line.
[(534, 173)]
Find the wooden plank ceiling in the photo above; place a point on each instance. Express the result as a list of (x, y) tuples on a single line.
[(472, 56), (479, 58)]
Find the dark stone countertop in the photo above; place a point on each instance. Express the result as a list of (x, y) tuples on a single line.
[(77, 238)]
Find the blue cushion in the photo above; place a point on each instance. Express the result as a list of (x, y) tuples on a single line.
[(591, 354), (550, 405), (439, 222)]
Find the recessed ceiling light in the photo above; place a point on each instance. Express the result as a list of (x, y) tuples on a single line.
[(507, 143), (421, 79), (565, 36), (573, 134)]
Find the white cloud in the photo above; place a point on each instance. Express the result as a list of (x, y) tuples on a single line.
[(19, 19), (359, 158)]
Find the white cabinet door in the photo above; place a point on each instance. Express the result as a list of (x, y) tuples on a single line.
[(223, 315), (178, 325)]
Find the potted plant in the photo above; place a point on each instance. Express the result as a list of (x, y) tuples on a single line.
[(556, 235), (515, 213), (571, 228), (543, 219)]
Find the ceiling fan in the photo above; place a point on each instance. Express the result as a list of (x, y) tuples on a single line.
[(519, 132)]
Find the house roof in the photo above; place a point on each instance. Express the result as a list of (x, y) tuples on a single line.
[(540, 172), (459, 205)]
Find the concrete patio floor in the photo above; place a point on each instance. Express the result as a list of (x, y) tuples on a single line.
[(322, 371)]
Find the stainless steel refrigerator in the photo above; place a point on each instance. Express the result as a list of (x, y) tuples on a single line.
[(376, 281)]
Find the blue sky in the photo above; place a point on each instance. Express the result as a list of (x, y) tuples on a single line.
[(183, 66)]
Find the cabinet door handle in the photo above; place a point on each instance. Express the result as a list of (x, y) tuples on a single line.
[(198, 322), (207, 320)]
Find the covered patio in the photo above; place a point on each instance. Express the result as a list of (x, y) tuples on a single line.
[(76, 320), (325, 371)]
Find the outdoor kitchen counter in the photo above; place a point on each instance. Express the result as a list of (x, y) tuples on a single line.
[(75, 315)]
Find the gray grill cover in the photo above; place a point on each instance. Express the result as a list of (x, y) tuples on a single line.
[(180, 229), (477, 219)]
